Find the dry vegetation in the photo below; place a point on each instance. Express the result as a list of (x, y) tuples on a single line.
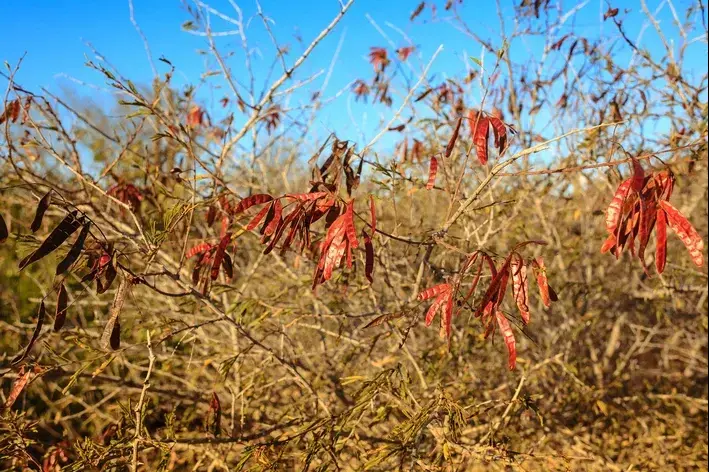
[(153, 370)]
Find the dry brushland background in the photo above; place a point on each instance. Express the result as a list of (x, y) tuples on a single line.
[(516, 281)]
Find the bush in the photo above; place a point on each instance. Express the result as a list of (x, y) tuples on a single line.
[(190, 287)]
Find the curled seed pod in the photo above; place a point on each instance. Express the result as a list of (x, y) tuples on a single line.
[(75, 250), (62, 301), (56, 238), (3, 230), (35, 335), (111, 333), (41, 209), (115, 340)]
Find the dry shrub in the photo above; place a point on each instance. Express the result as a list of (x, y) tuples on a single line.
[(169, 340)]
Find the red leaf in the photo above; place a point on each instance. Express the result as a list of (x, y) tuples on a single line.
[(661, 241), (248, 202), (686, 232), (542, 282), (339, 241), (433, 291), (219, 255), (608, 244), (504, 278), (257, 219), (432, 171), (23, 377), (610, 13), (454, 138), (326, 205), (496, 290), (333, 256), (273, 218), (60, 315), (447, 317), (360, 89), (378, 58), (225, 203), (520, 290), (201, 248), (293, 219), (435, 306), (499, 131), (350, 230), (648, 215), (332, 249), (442, 303), (487, 318), (665, 181), (104, 259), (11, 112), (272, 117), (404, 52), (615, 209), (195, 117), (509, 337), (481, 134), (224, 226), (638, 178), (305, 197)]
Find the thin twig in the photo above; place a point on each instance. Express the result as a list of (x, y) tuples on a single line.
[(255, 116), (403, 104), (139, 407)]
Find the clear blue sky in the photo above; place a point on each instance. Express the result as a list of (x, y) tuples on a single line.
[(54, 33)]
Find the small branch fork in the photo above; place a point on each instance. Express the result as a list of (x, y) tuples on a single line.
[(256, 115)]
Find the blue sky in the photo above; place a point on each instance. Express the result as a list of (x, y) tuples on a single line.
[(53, 34)]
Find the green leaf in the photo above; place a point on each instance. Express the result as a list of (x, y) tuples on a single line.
[(211, 73), (141, 112), (74, 378), (502, 50), (189, 26), (133, 103), (159, 136), (132, 87)]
